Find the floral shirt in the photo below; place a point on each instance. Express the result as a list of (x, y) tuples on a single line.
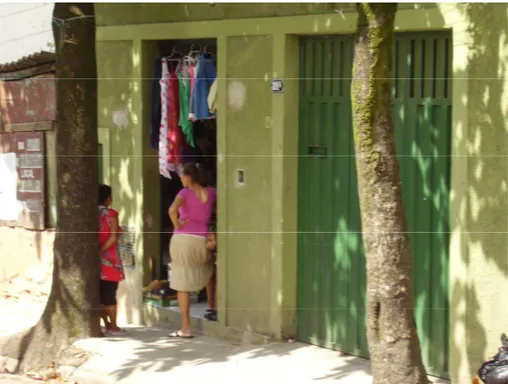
[(111, 263)]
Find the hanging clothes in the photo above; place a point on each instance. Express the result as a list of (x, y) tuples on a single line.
[(175, 136), (163, 129), (206, 75), (185, 92), (193, 70), (212, 98), (156, 103)]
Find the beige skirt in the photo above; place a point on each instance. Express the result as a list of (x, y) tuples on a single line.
[(191, 263)]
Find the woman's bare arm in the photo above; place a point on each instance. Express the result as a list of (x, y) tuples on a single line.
[(173, 212)]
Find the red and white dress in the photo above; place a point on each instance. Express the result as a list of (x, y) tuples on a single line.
[(111, 263), (163, 135), (175, 134)]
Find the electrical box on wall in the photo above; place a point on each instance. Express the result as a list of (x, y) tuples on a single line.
[(277, 86), (240, 177)]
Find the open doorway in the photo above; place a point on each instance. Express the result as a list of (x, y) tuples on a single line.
[(196, 140)]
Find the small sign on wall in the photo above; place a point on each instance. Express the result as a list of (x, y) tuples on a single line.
[(126, 244), (277, 86)]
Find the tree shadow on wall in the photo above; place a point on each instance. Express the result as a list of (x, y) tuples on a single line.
[(481, 209)]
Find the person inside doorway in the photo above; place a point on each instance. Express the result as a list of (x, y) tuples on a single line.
[(211, 288), (111, 268), (191, 262)]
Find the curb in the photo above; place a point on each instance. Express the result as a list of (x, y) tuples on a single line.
[(83, 376)]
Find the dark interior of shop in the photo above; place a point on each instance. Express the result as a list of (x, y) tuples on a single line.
[(204, 152)]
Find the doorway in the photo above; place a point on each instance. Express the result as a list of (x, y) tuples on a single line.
[(197, 144)]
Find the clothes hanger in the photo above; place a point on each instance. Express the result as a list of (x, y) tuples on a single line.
[(207, 55), (191, 57), (174, 53)]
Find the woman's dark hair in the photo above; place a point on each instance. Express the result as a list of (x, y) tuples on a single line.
[(104, 193), (196, 172)]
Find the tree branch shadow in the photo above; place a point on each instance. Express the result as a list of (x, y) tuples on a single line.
[(482, 207)]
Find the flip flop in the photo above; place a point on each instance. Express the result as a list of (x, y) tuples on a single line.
[(179, 335), (116, 333)]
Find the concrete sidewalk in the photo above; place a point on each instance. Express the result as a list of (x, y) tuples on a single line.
[(147, 355)]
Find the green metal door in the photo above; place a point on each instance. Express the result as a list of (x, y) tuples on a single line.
[(331, 265)]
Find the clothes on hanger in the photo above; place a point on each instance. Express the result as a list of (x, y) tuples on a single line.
[(212, 98), (174, 130), (205, 77), (185, 92), (156, 103), (195, 69), (163, 129)]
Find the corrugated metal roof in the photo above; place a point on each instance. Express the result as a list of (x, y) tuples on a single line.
[(30, 61), (25, 31)]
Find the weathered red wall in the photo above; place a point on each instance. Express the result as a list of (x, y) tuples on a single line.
[(28, 100)]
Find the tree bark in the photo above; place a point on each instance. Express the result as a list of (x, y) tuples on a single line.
[(71, 312), (391, 329)]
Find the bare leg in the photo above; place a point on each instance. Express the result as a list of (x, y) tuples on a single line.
[(112, 309), (184, 304), (104, 316)]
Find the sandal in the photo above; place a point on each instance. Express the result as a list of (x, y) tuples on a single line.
[(211, 315), (179, 334), (119, 332)]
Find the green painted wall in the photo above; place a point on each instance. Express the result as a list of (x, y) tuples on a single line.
[(140, 13), (119, 114), (115, 96), (482, 136), (248, 144)]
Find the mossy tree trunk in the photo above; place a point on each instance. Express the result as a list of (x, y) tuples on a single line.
[(71, 312), (391, 329)]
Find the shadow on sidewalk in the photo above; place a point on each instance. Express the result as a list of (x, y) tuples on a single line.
[(147, 353)]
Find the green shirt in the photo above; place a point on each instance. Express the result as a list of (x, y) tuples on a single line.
[(185, 123)]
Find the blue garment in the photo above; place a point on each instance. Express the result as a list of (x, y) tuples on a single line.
[(156, 103), (207, 73)]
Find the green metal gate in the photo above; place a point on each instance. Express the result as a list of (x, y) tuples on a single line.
[(331, 260)]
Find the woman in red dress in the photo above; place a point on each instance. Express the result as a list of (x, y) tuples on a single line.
[(111, 264)]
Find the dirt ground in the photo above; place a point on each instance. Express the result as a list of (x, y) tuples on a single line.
[(23, 298)]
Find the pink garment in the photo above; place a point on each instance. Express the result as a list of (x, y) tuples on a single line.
[(175, 135), (163, 134), (198, 213)]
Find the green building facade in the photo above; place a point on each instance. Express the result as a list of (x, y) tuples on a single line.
[(290, 260)]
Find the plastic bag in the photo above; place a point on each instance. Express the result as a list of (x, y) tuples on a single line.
[(495, 371)]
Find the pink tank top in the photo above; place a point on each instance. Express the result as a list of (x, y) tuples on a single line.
[(198, 213)]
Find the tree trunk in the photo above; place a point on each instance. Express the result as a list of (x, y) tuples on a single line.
[(71, 312), (391, 329)]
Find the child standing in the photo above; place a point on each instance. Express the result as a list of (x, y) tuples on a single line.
[(111, 264)]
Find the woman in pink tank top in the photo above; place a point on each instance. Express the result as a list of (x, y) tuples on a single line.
[(191, 262)]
